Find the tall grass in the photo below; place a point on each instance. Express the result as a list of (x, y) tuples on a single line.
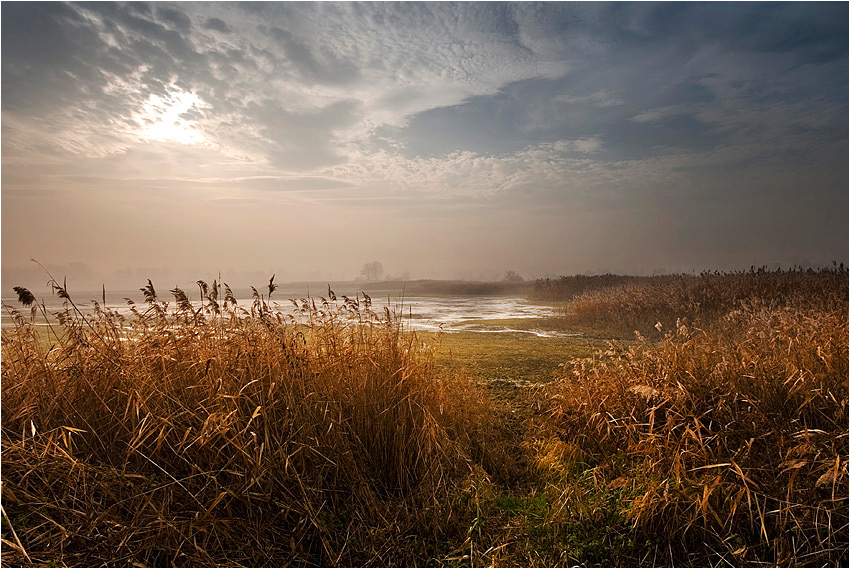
[(646, 304), (215, 434), (209, 433), (565, 288), (725, 443)]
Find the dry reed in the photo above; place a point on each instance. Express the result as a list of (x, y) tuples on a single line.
[(725, 443), (215, 434), (622, 305)]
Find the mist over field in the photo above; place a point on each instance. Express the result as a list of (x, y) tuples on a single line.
[(177, 141)]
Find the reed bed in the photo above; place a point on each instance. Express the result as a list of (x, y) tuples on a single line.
[(653, 305), (565, 288), (209, 433), (467, 288), (724, 443)]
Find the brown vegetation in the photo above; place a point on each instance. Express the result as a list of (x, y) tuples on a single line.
[(724, 442), (216, 434), (564, 288), (624, 304), (462, 288), (219, 435)]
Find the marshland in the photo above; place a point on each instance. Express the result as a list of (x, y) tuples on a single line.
[(695, 420), (556, 352)]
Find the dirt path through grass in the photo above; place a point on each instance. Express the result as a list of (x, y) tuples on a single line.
[(513, 526), (511, 366)]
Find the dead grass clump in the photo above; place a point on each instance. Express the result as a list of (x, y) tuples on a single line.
[(727, 443), (209, 433), (565, 288), (653, 305)]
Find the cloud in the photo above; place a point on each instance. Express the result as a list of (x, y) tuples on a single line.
[(586, 145), (314, 65), (217, 25), (324, 66), (301, 141), (661, 113), (433, 109), (538, 169), (599, 98)]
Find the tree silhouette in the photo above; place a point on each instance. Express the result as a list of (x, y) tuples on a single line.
[(513, 277), (372, 271)]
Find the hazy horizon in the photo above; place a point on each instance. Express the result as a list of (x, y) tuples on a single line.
[(81, 278), (174, 141)]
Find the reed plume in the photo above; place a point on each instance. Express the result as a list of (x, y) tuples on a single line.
[(269, 440)]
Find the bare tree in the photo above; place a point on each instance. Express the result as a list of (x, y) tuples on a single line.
[(372, 271), (513, 277)]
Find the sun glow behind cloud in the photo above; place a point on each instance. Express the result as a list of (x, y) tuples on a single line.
[(162, 118), (588, 136)]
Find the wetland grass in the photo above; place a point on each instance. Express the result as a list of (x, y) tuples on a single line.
[(217, 434), (227, 435), (723, 443)]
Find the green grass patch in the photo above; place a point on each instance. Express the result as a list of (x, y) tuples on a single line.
[(508, 356)]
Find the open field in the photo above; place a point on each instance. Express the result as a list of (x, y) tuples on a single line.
[(228, 436)]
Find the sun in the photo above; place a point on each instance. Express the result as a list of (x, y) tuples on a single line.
[(162, 120)]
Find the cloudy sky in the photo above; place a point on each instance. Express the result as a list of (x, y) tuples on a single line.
[(445, 140)]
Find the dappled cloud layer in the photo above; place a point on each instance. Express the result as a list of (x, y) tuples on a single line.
[(552, 137)]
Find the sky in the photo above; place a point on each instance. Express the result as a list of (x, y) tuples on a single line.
[(443, 140)]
